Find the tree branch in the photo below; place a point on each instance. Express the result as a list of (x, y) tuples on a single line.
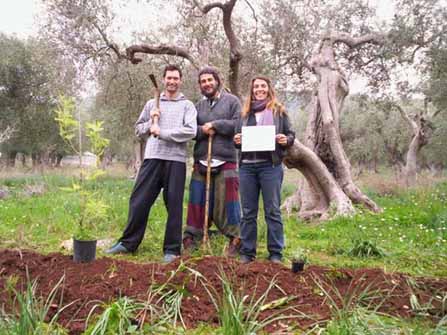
[(354, 42), (162, 49), (109, 44), (405, 116), (211, 6), (252, 10), (436, 113), (6, 134), (235, 53)]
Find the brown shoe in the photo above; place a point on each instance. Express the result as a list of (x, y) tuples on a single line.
[(189, 245), (233, 247)]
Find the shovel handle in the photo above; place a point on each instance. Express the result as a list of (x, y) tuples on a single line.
[(205, 241)]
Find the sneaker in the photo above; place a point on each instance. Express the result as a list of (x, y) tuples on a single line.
[(233, 247), (275, 259), (168, 258), (244, 259), (189, 245), (117, 248)]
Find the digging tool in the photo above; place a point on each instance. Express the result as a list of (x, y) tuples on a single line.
[(205, 242), (156, 97)]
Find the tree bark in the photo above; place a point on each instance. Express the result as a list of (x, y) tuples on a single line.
[(412, 155), (235, 53), (422, 130), (322, 137), (321, 188)]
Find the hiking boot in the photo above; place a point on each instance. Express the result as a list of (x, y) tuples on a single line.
[(189, 245), (244, 259), (233, 247), (168, 258), (275, 259), (117, 248)]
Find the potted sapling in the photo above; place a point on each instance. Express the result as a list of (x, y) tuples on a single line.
[(92, 209), (299, 258)]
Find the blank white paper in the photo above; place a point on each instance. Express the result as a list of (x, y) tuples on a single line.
[(258, 138)]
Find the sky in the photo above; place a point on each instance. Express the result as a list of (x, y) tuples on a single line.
[(20, 17), (17, 17)]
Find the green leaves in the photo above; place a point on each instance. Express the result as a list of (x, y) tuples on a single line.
[(365, 248), (92, 209), (68, 125), (97, 142)]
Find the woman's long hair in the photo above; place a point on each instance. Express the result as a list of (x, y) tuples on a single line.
[(272, 103)]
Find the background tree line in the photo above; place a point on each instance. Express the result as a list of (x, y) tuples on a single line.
[(276, 38)]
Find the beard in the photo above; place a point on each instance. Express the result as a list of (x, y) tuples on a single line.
[(209, 93)]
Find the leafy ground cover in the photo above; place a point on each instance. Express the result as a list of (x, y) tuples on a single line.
[(409, 236)]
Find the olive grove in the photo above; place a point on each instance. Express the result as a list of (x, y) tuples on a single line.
[(310, 48)]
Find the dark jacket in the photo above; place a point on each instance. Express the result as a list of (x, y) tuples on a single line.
[(223, 115), (282, 125)]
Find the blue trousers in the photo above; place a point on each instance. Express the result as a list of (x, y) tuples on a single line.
[(254, 179)]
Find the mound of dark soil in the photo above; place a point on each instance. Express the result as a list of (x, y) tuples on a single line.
[(108, 279)]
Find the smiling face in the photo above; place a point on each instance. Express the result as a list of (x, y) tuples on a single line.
[(208, 85), (260, 89), (172, 81)]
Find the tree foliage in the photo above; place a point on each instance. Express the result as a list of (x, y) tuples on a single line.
[(31, 76)]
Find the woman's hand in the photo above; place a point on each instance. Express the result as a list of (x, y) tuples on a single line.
[(281, 139), (237, 138)]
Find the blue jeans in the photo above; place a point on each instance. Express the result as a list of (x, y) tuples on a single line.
[(253, 179)]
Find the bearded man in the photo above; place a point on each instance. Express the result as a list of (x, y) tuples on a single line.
[(217, 114)]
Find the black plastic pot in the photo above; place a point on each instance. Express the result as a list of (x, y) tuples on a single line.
[(297, 266), (84, 251)]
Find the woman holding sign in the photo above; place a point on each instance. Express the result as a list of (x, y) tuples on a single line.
[(263, 133)]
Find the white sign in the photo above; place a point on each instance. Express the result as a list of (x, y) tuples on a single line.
[(258, 138)]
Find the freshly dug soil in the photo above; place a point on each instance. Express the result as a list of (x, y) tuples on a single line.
[(107, 279)]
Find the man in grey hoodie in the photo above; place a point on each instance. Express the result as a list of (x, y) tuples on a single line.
[(164, 166)]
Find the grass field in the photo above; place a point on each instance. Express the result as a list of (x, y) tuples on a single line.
[(409, 236)]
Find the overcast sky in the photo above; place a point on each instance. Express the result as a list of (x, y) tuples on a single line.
[(20, 16), (17, 16)]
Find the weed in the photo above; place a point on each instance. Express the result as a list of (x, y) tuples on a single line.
[(31, 312), (116, 318), (365, 249), (238, 313)]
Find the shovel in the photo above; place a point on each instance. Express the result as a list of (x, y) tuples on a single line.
[(156, 97), (205, 241)]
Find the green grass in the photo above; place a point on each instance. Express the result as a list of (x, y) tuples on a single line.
[(411, 231)]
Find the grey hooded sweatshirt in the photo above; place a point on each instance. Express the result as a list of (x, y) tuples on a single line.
[(178, 124)]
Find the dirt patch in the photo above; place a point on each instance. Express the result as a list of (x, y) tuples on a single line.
[(107, 279)]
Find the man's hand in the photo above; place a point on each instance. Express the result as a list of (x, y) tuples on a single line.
[(281, 139), (237, 138), (155, 113), (155, 130), (208, 129)]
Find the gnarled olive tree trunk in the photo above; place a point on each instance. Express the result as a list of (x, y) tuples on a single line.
[(422, 130), (316, 196)]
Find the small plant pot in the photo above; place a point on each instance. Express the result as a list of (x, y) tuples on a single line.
[(297, 266), (84, 251)]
